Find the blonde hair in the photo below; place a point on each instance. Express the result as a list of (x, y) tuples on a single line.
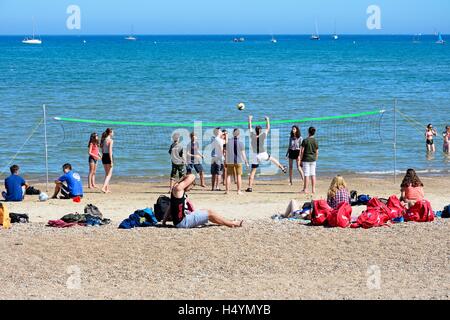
[(337, 184)]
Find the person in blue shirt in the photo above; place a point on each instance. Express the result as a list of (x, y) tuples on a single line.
[(68, 184), (15, 186)]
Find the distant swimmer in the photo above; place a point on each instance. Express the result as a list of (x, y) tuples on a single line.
[(446, 136), (429, 135)]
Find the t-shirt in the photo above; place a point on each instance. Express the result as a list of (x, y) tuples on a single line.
[(176, 154), (414, 193), (74, 184), (13, 185), (258, 142), (193, 149), (295, 143), (310, 152), (234, 151), (216, 153), (178, 206)]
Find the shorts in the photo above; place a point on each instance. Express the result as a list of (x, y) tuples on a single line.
[(194, 219), (309, 168), (430, 142), (294, 154), (216, 169), (190, 167), (66, 193), (92, 160), (106, 158), (258, 158), (177, 168), (234, 169)]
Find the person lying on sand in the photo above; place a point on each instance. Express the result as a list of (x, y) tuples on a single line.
[(411, 189), (184, 219), (73, 187)]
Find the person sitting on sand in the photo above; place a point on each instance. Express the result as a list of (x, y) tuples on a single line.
[(429, 134), (446, 136), (73, 187), (235, 157), (15, 186), (309, 155), (411, 189), (338, 193), (260, 155), (178, 161), (184, 219), (194, 159)]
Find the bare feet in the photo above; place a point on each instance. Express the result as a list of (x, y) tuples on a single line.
[(304, 192), (240, 193), (238, 224)]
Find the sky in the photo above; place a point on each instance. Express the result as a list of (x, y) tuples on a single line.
[(224, 16)]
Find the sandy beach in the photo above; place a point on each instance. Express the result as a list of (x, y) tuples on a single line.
[(265, 259)]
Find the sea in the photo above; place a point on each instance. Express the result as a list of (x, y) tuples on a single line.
[(147, 89)]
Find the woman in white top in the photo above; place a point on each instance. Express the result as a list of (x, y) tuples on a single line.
[(107, 158)]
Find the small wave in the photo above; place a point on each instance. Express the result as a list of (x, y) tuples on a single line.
[(401, 171)]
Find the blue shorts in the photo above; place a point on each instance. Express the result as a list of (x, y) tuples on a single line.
[(194, 219), (191, 167)]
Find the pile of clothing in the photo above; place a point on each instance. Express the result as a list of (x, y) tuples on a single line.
[(140, 218), (91, 217)]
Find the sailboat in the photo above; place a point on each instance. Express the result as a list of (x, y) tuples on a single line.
[(32, 40), (316, 35), (273, 40), (131, 37), (335, 36), (440, 40)]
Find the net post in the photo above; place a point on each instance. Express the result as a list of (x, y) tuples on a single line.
[(46, 145), (395, 141)]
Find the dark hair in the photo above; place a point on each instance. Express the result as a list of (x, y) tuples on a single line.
[(14, 169), (411, 179), (105, 134), (67, 166), (429, 125), (298, 134), (312, 131), (94, 139), (258, 130)]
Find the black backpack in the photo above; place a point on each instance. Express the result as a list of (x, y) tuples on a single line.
[(31, 191), (161, 206), (446, 212)]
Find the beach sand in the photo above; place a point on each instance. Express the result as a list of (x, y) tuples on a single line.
[(265, 259)]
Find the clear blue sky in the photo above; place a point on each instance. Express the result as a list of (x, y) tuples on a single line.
[(224, 16)]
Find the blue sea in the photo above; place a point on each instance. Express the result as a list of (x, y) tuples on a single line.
[(182, 79)]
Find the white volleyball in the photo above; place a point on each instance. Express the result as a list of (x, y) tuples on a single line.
[(240, 106)]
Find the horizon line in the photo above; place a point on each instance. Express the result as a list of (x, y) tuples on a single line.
[(223, 34)]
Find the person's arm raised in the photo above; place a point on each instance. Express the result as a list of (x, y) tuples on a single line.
[(267, 124)]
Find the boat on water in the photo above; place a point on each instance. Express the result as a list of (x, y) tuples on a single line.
[(33, 39), (131, 37), (440, 39), (273, 40), (335, 35), (316, 35), (416, 38), (242, 39)]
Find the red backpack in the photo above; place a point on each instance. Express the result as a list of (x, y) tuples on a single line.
[(340, 217), (320, 212), (420, 212), (396, 207), (376, 215)]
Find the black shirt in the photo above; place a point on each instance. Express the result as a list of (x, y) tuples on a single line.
[(177, 207)]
